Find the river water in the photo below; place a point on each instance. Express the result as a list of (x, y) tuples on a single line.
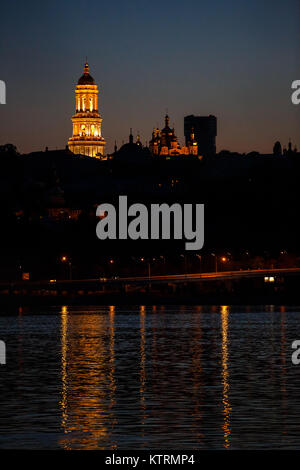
[(150, 378)]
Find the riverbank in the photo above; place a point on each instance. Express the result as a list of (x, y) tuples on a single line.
[(148, 298)]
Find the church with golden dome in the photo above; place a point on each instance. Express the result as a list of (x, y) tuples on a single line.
[(165, 142), (87, 136)]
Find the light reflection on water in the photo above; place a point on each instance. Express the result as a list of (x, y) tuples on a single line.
[(150, 377), (225, 375)]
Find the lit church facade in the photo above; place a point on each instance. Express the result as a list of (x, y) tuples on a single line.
[(87, 136), (165, 142)]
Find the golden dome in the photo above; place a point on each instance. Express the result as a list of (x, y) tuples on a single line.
[(86, 78)]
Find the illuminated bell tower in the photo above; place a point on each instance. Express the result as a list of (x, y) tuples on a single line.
[(87, 138)]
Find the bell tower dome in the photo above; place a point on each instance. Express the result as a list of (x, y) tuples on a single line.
[(87, 136)]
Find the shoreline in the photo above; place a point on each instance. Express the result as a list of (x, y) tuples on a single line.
[(151, 299)]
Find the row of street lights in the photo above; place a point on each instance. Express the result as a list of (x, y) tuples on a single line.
[(218, 259)]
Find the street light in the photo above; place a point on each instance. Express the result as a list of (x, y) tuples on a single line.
[(185, 263), (216, 261), (64, 259), (149, 269), (223, 259), (200, 259)]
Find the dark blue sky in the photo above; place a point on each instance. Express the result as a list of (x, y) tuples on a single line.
[(232, 58)]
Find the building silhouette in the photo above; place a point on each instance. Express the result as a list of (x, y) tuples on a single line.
[(277, 149), (87, 137), (132, 151), (204, 129)]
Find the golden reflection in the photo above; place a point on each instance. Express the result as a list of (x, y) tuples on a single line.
[(64, 328), (154, 349), (143, 364), (197, 376), (64, 309), (225, 374), (88, 379), (112, 370), (283, 371)]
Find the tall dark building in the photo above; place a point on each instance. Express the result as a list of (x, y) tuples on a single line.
[(205, 130)]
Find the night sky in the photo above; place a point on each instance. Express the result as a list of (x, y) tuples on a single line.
[(235, 59)]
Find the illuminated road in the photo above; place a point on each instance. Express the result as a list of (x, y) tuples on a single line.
[(215, 276), (169, 278)]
